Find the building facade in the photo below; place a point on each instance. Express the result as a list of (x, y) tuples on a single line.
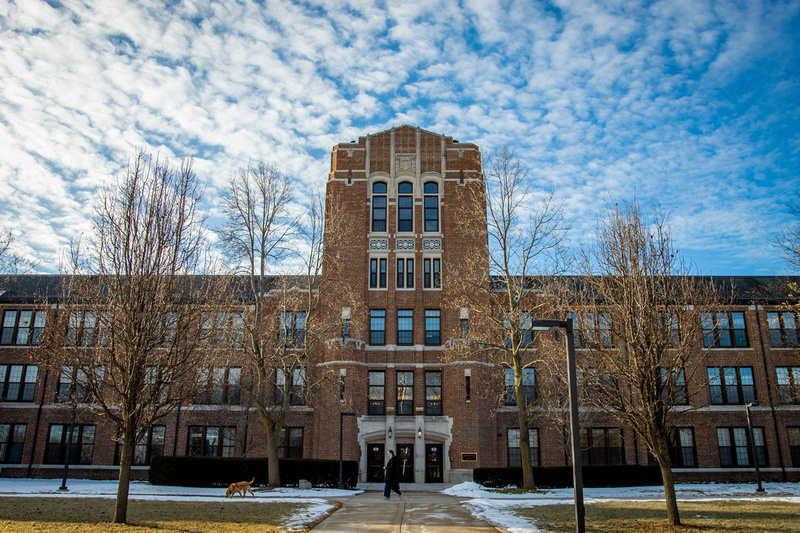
[(404, 197)]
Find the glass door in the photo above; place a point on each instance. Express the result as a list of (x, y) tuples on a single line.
[(405, 454), (375, 463), (433, 463)]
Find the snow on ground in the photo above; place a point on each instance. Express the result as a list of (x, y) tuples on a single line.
[(498, 508), (494, 507)]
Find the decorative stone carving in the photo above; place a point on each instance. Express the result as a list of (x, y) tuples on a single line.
[(405, 163)]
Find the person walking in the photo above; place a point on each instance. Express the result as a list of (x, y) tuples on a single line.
[(392, 477)]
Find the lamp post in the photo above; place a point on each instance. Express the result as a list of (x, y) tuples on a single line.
[(747, 407), (341, 443), (544, 324)]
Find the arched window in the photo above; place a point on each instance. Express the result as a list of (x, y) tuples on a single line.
[(405, 207), (379, 206), (431, 206)]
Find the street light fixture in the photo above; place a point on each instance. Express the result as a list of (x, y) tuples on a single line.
[(747, 407), (546, 324), (341, 440)]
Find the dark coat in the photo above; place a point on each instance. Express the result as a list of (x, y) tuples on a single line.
[(393, 474)]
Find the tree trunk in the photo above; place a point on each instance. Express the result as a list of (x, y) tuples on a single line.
[(272, 458), (125, 461), (524, 434), (665, 464)]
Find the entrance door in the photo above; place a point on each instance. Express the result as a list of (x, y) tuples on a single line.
[(375, 462), (405, 454), (433, 463)]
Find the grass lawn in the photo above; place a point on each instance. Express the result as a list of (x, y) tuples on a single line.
[(731, 516), (61, 515)]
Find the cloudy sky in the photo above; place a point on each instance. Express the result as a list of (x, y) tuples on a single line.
[(691, 103)]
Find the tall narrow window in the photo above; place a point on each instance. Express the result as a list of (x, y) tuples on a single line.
[(405, 393), (405, 273), (432, 327), (379, 206), (433, 393), (431, 206), (681, 448), (405, 326), (377, 326), (377, 393), (373, 273), (296, 386), (377, 273), (431, 273), (405, 207), (290, 443)]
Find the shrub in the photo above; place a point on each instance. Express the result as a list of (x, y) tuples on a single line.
[(195, 471), (554, 477)]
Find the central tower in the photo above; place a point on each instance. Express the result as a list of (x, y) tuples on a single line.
[(397, 201)]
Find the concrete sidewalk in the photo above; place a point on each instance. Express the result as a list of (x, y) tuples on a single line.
[(430, 512)]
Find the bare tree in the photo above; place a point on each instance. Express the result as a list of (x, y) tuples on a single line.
[(11, 262), (131, 313), (640, 315), (789, 241), (286, 320), (525, 251)]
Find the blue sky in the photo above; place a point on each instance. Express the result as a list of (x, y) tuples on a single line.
[(691, 103)]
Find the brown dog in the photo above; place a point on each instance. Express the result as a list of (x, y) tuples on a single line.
[(242, 487)]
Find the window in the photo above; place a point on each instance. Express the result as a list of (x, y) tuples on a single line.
[(789, 383), (433, 393), (670, 326), (464, 327), (432, 327), (782, 329), (602, 446), (528, 386), (514, 453), (405, 273), (12, 440), (157, 381), (734, 449), (293, 328), (405, 326), (379, 206), (376, 392), (290, 447), (724, 330), (468, 387), (18, 382), (522, 336), (431, 277), (377, 273), (220, 386), (673, 386), (431, 206), (296, 387), (405, 207), (82, 444), (151, 445), (794, 445), (591, 329), (405, 393), (377, 326), (681, 448), (74, 384), (212, 441), (22, 326), (731, 385)]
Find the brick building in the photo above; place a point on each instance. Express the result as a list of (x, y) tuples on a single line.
[(404, 192)]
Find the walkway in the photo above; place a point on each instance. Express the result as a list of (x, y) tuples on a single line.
[(419, 511)]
